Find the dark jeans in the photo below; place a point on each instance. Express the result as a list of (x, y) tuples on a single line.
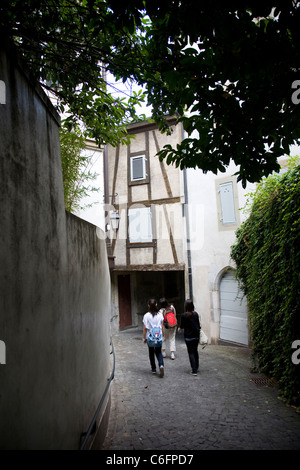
[(192, 347), (155, 352)]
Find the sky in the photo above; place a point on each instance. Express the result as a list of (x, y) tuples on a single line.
[(117, 88)]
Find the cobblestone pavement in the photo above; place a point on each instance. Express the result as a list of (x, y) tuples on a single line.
[(220, 409)]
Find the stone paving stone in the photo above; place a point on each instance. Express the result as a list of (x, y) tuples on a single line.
[(220, 409)]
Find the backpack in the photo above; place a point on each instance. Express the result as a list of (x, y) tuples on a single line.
[(170, 320), (155, 339)]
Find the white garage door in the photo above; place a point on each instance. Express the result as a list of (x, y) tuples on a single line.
[(234, 313)]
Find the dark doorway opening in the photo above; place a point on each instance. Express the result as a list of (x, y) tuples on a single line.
[(157, 284), (124, 293)]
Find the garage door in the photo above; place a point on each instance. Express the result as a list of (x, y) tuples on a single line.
[(234, 313)]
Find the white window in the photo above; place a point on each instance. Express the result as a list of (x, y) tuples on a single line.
[(227, 203), (140, 225), (138, 168)]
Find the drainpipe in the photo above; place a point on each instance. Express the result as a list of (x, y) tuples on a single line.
[(110, 256), (187, 218)]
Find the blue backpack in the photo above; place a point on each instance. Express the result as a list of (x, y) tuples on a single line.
[(155, 339)]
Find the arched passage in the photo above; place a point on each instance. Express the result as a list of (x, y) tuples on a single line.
[(233, 309)]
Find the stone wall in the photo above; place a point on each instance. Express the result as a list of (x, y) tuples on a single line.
[(54, 281)]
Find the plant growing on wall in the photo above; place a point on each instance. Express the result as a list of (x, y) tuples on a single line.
[(75, 167), (268, 266)]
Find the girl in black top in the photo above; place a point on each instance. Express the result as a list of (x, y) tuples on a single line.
[(191, 326)]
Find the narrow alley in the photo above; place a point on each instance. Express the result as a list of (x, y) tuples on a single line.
[(226, 407)]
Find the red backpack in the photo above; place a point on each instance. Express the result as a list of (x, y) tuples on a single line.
[(170, 319)]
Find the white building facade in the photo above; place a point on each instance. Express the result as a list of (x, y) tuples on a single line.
[(216, 201)]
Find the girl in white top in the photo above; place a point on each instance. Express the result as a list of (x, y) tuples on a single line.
[(170, 333), (152, 319)]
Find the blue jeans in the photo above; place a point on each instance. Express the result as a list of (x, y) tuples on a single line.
[(192, 347), (155, 352)]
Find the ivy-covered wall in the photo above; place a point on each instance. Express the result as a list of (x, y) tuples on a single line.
[(267, 255)]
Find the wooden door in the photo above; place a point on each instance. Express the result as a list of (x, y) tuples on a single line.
[(125, 316)]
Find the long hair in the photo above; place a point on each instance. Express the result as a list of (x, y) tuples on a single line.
[(164, 304), (152, 306), (189, 307)]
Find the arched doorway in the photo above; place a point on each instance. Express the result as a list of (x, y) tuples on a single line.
[(234, 311)]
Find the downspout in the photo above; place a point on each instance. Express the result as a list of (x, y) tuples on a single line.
[(105, 171), (187, 219), (111, 258)]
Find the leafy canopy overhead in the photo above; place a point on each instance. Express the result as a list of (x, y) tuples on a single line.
[(66, 44), (225, 68)]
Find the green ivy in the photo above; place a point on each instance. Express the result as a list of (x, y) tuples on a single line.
[(267, 255)]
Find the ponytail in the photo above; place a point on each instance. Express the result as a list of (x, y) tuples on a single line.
[(152, 306)]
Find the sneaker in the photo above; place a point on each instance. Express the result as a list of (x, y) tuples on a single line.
[(153, 371), (194, 373), (161, 371), (172, 355)]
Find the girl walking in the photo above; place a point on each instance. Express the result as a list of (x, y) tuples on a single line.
[(191, 325), (154, 318), (170, 333)]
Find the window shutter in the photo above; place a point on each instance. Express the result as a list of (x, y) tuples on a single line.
[(227, 203), (137, 168)]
